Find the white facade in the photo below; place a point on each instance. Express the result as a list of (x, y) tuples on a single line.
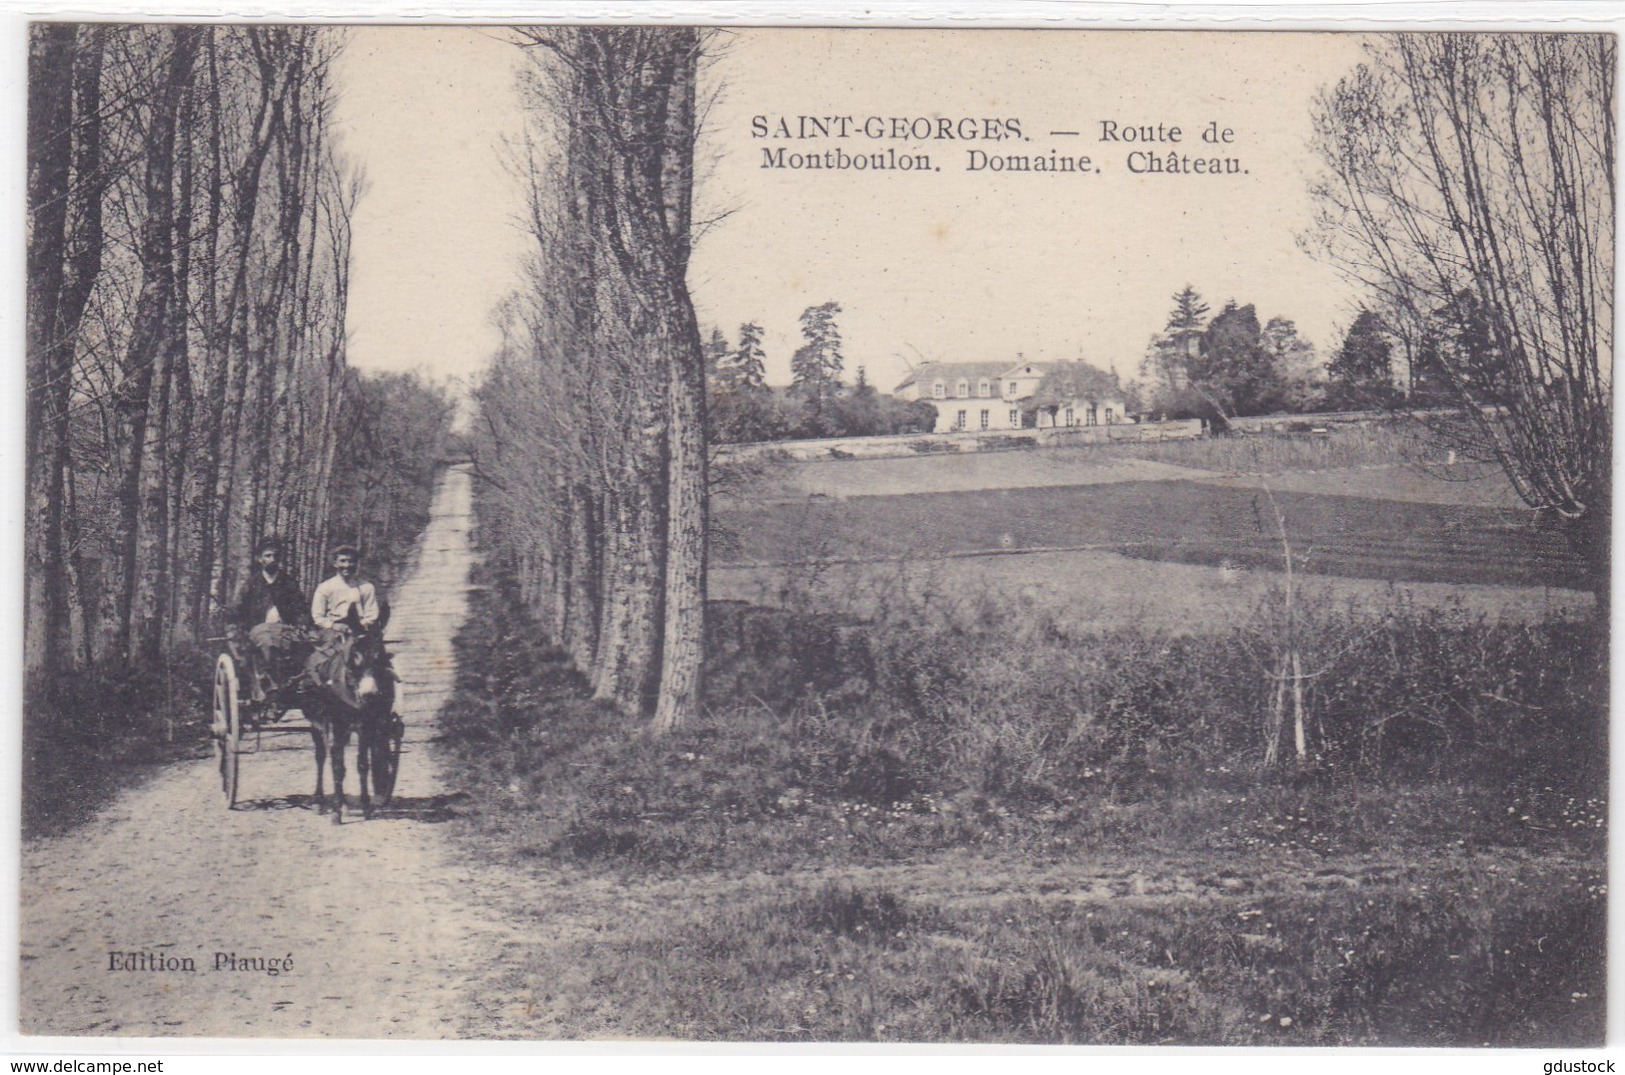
[(972, 397)]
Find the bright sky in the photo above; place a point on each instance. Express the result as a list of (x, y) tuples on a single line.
[(949, 265), (424, 112)]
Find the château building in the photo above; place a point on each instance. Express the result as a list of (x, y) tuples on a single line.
[(976, 396)]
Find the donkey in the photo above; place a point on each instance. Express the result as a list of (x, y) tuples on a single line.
[(354, 691)]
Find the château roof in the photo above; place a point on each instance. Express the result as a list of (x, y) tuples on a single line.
[(1077, 380), (952, 372)]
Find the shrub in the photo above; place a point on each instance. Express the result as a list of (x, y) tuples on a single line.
[(89, 732), (933, 727)]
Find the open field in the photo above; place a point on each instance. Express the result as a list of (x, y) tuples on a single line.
[(1182, 536), (1142, 950), (1463, 484), (1031, 469), (1358, 461), (1174, 520), (1117, 591)]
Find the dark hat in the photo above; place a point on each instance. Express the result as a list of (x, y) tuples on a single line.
[(268, 544), (346, 549)]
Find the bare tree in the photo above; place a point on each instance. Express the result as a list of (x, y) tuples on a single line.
[(65, 179), (147, 349), (188, 255), (1470, 177)]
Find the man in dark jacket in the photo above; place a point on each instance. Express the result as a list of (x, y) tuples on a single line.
[(272, 608)]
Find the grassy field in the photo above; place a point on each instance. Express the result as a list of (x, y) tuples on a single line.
[(956, 474), (1464, 485), (1183, 536), (1358, 461), (1175, 520), (864, 840), (1420, 957), (1091, 590)]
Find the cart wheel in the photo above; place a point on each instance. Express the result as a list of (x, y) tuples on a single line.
[(227, 726), (386, 760)]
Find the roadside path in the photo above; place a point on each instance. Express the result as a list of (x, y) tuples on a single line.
[(374, 915)]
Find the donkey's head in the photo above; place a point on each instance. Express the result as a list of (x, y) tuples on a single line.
[(368, 665)]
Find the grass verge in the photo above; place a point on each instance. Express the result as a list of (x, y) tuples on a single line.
[(1482, 959), (1061, 840)]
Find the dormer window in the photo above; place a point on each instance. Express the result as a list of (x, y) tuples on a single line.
[(964, 389), (938, 391), (984, 389)]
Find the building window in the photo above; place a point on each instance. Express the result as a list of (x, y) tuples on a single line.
[(1069, 416), (959, 423), (1014, 388), (984, 389), (937, 391), (1111, 418), (964, 389), (1093, 417), (984, 419), (1015, 419)]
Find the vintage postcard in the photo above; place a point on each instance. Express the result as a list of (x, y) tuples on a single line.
[(817, 535)]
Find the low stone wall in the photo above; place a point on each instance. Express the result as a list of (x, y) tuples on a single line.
[(1186, 429), (1001, 440), (1315, 423)]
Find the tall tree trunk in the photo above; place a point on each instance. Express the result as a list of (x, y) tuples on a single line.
[(51, 51), (152, 518), (682, 664), (77, 578), (152, 318), (232, 328), (626, 670), (176, 609), (683, 657), (164, 474), (583, 595), (553, 588), (216, 346)]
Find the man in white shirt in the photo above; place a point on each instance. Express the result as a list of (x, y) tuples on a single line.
[(344, 602)]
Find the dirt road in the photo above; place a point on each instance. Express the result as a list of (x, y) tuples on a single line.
[(276, 923)]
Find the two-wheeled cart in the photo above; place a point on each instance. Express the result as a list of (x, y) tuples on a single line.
[(242, 717)]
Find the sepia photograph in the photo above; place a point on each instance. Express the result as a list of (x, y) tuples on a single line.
[(708, 533)]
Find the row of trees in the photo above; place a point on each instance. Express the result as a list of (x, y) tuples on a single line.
[(592, 429), (819, 403), (395, 432), (1229, 365), (188, 251)]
